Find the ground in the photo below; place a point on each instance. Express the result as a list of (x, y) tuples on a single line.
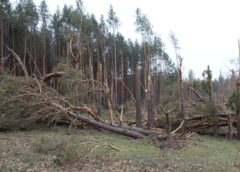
[(61, 149)]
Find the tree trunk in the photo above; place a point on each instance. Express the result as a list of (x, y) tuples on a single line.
[(181, 92), (13, 48), (238, 110), (1, 46), (100, 82), (138, 98), (229, 126), (150, 104), (19, 61), (101, 125), (25, 48), (115, 70), (44, 51)]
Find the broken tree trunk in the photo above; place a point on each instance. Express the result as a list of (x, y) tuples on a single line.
[(19, 60), (168, 122)]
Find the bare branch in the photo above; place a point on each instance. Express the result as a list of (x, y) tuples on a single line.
[(176, 130), (18, 59), (197, 94), (51, 75)]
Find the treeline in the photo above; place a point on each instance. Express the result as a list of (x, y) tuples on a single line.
[(74, 36), (97, 50)]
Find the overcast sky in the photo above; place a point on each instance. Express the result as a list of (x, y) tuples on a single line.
[(208, 30)]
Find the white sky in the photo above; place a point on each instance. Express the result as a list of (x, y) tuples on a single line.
[(208, 30)]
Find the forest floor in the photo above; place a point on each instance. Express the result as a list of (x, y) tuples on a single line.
[(61, 149)]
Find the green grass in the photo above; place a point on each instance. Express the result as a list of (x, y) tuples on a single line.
[(90, 150), (209, 154)]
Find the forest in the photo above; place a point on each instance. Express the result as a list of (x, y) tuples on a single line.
[(70, 69)]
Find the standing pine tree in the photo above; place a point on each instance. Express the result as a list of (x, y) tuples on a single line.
[(113, 23), (5, 11), (44, 14)]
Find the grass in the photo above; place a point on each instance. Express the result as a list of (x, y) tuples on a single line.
[(90, 150)]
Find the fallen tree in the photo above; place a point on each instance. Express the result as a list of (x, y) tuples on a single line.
[(101, 125), (35, 103), (203, 124)]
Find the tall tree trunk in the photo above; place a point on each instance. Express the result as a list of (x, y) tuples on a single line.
[(150, 104), (25, 48), (115, 69), (1, 46), (44, 51), (145, 67), (99, 79), (13, 47), (181, 91), (238, 98), (190, 84), (35, 53), (138, 97), (122, 82), (238, 110)]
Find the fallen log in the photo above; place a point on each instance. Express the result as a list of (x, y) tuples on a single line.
[(143, 131), (202, 125), (199, 117), (101, 125)]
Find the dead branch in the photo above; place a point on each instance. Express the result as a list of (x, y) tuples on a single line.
[(163, 111), (39, 85), (89, 111), (34, 62), (18, 59), (128, 91), (180, 126), (169, 111), (110, 103), (52, 75), (168, 122), (197, 94), (113, 147)]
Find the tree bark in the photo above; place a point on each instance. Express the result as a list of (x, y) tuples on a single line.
[(238, 110), (19, 60), (1, 46), (229, 127), (150, 98), (138, 98), (52, 75), (101, 125)]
